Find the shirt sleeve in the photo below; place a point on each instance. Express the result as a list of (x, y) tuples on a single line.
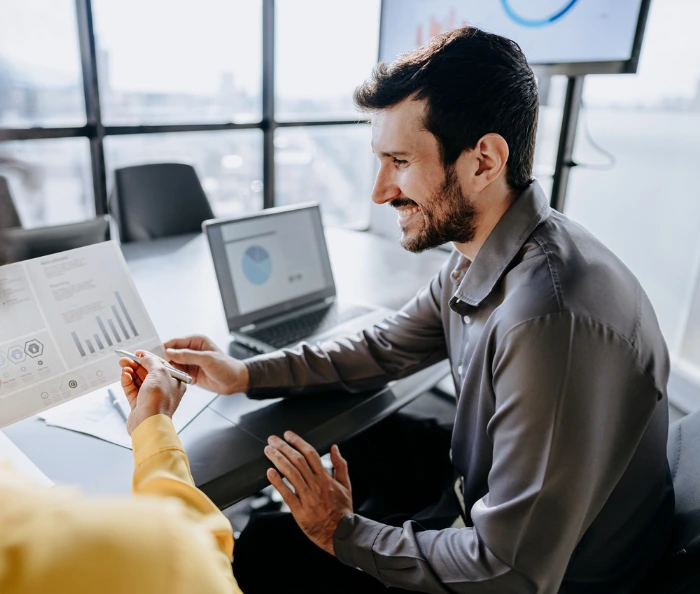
[(572, 403), (169, 538), (403, 343)]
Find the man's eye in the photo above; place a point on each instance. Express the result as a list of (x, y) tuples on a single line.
[(400, 162)]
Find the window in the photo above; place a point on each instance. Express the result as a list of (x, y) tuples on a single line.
[(323, 51), (40, 82), (184, 83), (50, 180), (165, 63), (229, 164), (332, 165), (644, 206)]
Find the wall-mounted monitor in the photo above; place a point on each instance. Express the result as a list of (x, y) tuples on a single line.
[(557, 36)]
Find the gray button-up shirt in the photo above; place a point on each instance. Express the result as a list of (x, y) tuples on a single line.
[(560, 432)]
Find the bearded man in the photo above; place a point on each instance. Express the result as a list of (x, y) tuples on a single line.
[(554, 476)]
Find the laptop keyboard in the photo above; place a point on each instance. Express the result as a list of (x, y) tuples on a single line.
[(315, 322)]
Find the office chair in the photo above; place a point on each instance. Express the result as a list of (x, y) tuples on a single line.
[(158, 200), (678, 572), (23, 244), (9, 217)]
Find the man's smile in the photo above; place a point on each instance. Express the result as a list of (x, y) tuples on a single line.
[(405, 214)]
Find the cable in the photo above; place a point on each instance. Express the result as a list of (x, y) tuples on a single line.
[(612, 160)]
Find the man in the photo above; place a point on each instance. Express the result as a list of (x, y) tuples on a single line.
[(169, 538), (560, 369)]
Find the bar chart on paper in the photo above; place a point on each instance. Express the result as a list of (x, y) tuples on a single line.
[(91, 307), (116, 329), (61, 317)]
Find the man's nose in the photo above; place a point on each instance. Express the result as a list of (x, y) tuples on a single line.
[(385, 188)]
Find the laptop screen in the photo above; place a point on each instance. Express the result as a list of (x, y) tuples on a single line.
[(270, 263)]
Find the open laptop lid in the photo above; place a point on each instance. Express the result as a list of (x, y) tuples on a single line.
[(270, 263)]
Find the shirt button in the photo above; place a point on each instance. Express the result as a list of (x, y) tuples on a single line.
[(460, 369), (466, 319)]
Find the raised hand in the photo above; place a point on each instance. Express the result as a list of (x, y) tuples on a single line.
[(319, 501), (209, 367), (149, 389)]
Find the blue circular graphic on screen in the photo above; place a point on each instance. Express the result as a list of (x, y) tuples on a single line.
[(257, 265), (536, 22)]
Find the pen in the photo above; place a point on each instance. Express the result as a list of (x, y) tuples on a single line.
[(116, 403), (176, 373)]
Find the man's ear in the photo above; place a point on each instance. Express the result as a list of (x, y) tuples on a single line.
[(482, 165)]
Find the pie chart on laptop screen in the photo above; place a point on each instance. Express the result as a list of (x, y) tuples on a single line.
[(257, 265)]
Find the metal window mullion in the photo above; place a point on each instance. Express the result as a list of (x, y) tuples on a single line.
[(88, 60), (7, 134), (268, 102), (167, 128), (311, 123)]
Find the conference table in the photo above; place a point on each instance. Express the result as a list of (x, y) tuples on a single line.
[(176, 280)]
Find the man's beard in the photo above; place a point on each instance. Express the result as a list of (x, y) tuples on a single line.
[(448, 216)]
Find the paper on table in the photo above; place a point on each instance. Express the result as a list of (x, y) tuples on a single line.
[(95, 415), (19, 461)]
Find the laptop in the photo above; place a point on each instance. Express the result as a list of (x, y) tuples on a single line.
[(276, 281)]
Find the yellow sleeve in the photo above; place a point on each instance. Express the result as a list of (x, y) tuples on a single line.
[(168, 538)]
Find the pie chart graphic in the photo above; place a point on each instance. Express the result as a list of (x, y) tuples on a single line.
[(257, 265), (537, 21)]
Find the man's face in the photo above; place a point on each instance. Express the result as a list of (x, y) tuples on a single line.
[(430, 203)]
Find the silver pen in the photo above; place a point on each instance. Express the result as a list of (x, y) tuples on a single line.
[(118, 405), (176, 373)]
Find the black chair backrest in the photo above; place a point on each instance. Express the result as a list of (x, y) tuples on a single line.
[(157, 200), (9, 217), (679, 571), (23, 244)]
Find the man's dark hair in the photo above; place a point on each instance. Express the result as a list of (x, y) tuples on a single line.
[(475, 83)]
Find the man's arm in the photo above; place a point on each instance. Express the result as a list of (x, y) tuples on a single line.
[(572, 404), (402, 344)]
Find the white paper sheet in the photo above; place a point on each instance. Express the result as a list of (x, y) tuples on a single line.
[(11, 453), (95, 415), (61, 317)]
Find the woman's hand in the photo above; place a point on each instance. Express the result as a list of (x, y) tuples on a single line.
[(209, 367), (149, 388)]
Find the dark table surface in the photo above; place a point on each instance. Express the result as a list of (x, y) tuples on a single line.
[(175, 278)]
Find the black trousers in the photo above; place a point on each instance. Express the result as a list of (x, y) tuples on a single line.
[(399, 469)]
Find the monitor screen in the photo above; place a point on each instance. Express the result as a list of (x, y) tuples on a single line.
[(273, 259), (548, 31)]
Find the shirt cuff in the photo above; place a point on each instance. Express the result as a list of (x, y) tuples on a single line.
[(353, 541), (155, 434)]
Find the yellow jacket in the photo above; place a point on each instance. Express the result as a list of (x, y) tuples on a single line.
[(168, 538)]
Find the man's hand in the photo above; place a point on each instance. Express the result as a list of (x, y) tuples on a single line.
[(149, 389), (318, 501), (209, 367)]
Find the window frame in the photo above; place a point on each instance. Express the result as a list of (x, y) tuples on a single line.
[(95, 131)]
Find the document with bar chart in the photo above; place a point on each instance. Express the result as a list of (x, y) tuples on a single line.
[(61, 317)]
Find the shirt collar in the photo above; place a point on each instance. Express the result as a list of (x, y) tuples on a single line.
[(509, 235)]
